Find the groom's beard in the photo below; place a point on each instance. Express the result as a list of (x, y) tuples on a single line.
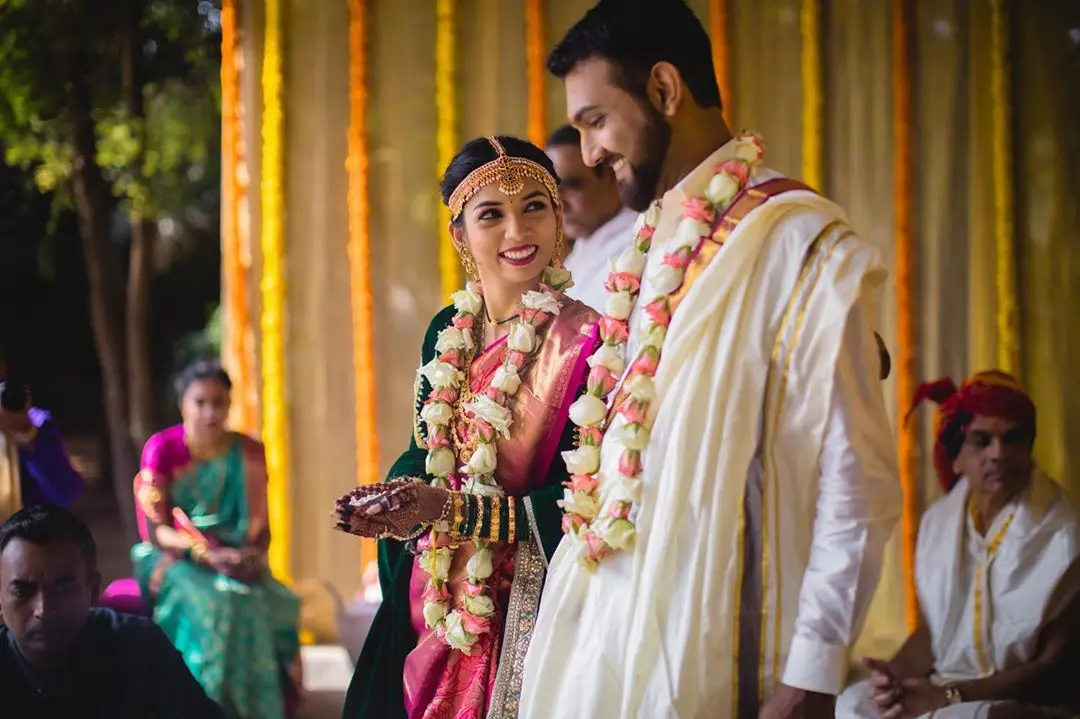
[(639, 192)]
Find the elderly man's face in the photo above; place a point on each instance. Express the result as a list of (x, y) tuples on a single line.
[(995, 456)]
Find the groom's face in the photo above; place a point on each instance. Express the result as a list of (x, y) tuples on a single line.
[(618, 129)]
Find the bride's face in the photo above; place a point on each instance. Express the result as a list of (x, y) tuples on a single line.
[(511, 237)]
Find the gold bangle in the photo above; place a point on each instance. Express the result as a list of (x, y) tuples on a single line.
[(481, 505), (198, 551), (496, 518), (511, 536), (459, 515)]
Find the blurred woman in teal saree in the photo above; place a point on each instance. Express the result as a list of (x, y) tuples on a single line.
[(201, 567)]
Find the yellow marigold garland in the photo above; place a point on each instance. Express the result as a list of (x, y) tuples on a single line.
[(904, 259), (275, 432), (1008, 344), (535, 56), (718, 32), (446, 139), (359, 251), (812, 88)]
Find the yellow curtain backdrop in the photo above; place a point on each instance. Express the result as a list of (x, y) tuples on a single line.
[(359, 254), (446, 109), (275, 421), (718, 33), (536, 52)]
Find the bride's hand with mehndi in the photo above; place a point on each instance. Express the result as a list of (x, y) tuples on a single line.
[(396, 511)]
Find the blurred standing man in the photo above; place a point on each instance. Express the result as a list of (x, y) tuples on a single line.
[(592, 214)]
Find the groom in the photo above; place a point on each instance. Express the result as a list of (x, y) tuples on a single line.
[(746, 482)]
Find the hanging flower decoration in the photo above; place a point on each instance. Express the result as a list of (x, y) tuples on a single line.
[(487, 418), (598, 510)]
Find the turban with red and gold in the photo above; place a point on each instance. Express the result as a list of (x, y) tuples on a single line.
[(991, 393)]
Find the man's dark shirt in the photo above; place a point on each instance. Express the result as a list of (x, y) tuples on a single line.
[(123, 667)]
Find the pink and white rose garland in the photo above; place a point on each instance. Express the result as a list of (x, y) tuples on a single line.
[(598, 510), (448, 374)]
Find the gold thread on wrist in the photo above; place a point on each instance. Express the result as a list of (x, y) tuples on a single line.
[(481, 505), (198, 552), (511, 523), (496, 519)]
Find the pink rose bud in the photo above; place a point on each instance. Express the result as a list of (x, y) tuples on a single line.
[(571, 523), (583, 483), (596, 547), (495, 395), (600, 381), (658, 312), (630, 463), (446, 394), (644, 237), (619, 510), (464, 322), (452, 357), (737, 169), (528, 314), (590, 436), (436, 594), (697, 208), (474, 590), (679, 260), (474, 624), (440, 630), (634, 412), (614, 331), (646, 364), (622, 282), (484, 430), (438, 437), (516, 358)]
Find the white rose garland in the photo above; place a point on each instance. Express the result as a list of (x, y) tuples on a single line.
[(597, 511)]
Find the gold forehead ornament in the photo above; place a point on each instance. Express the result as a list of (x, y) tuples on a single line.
[(509, 172)]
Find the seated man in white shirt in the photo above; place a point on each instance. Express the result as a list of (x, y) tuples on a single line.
[(593, 216), (997, 574)]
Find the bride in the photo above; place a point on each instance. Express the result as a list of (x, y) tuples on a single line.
[(470, 513)]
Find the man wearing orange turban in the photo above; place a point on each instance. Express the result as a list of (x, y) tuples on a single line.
[(996, 569)]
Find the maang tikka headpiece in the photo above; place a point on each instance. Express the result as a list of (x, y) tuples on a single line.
[(509, 172)]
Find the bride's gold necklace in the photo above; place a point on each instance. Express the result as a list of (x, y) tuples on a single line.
[(461, 425)]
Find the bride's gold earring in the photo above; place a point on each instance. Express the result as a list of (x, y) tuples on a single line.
[(467, 262), (559, 254)]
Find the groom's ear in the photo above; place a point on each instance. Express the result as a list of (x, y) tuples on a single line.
[(665, 88)]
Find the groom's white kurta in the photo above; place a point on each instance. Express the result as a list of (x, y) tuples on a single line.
[(769, 487)]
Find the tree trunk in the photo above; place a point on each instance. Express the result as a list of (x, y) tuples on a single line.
[(106, 305), (143, 232)]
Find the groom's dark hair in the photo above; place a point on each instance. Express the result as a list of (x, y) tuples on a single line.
[(634, 35)]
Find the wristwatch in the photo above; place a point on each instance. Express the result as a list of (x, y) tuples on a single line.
[(952, 693)]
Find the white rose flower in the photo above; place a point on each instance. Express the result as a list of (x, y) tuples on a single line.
[(440, 462), (437, 413), (506, 379), (652, 215), (456, 636), (654, 336), (436, 562), (440, 374), (542, 301), (665, 279), (631, 261), (580, 503), (451, 338), (688, 234), (642, 388), (633, 437), (608, 356), (434, 612), (487, 409), (479, 565), (583, 460), (622, 489), (619, 305), (557, 278), (588, 411), (746, 149), (484, 485), (484, 459), (722, 189), (468, 300), (618, 533), (522, 338), (481, 606)]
